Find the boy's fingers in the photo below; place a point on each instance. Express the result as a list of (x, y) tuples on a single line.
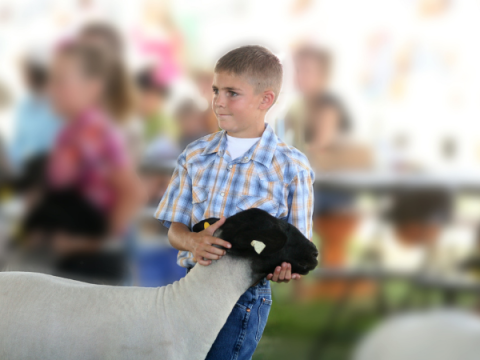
[(283, 271), (276, 273), (209, 255), (221, 242), (215, 250), (204, 262), (288, 273), (269, 276), (211, 229)]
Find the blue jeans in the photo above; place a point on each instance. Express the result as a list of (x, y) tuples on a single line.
[(240, 335)]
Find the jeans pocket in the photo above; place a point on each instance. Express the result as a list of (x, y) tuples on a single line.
[(240, 306), (263, 311)]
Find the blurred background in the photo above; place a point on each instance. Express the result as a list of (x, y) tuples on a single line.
[(382, 96)]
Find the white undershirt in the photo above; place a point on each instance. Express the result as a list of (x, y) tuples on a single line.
[(238, 146)]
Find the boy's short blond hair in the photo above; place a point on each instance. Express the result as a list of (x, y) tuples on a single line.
[(261, 67)]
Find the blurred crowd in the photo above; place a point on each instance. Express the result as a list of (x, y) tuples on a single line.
[(104, 114), (95, 142)]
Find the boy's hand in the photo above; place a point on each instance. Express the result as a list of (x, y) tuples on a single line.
[(202, 244), (283, 274)]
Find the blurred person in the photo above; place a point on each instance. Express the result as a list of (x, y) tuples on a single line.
[(328, 137), (35, 125), (5, 167), (330, 148), (62, 236), (151, 99), (312, 76), (260, 171), (203, 80), (28, 186), (108, 39), (31, 182), (89, 155), (191, 122)]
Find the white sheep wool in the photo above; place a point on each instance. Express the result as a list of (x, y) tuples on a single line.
[(47, 317), (436, 334)]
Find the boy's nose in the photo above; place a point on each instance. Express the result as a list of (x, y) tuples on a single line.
[(218, 101)]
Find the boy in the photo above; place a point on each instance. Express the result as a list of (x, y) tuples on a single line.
[(243, 166)]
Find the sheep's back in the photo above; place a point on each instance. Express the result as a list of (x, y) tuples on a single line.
[(46, 317)]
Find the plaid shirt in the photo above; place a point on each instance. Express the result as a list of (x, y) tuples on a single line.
[(206, 182)]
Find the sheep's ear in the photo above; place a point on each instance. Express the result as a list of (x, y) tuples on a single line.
[(273, 239), (202, 225)]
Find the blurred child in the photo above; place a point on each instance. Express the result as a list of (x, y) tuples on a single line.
[(191, 123), (312, 76), (328, 141), (330, 148), (105, 37), (203, 80), (36, 125), (150, 103), (89, 154)]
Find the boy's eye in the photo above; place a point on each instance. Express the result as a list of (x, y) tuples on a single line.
[(215, 91), (233, 93)]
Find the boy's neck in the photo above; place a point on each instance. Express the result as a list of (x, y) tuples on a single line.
[(251, 132)]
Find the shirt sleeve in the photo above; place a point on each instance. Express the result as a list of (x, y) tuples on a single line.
[(176, 203), (300, 202)]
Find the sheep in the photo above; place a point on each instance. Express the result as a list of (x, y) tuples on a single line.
[(47, 317), (439, 334)]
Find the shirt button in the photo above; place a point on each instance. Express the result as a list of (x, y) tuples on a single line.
[(223, 194), (230, 166), (245, 158), (248, 310)]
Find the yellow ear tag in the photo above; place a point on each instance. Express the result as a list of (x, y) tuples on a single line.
[(206, 225)]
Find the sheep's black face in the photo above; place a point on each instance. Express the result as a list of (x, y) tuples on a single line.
[(283, 242)]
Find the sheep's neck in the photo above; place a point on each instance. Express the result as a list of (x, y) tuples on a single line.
[(202, 302)]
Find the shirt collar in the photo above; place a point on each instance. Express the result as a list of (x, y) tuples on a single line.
[(262, 152)]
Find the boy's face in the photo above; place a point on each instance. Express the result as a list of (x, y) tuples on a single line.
[(239, 109)]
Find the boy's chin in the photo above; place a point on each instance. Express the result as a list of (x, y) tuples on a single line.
[(226, 124)]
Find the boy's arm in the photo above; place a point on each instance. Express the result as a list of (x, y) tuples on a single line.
[(300, 214), (179, 236), (199, 244), (176, 203), (174, 211), (300, 202)]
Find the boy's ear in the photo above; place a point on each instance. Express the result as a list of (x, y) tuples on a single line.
[(202, 225), (267, 242), (268, 99)]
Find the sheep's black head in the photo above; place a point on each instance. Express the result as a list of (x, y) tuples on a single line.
[(283, 241)]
